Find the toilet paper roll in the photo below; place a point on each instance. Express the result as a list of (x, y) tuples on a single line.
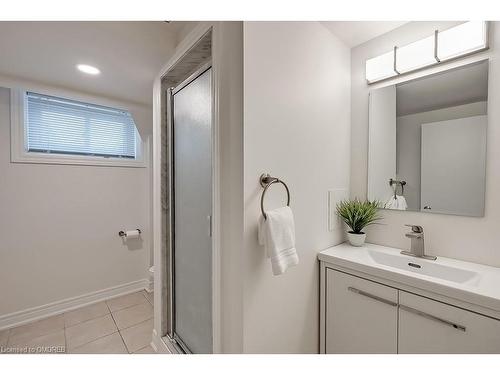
[(132, 233)]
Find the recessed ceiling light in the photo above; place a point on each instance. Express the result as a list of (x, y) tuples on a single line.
[(88, 69)]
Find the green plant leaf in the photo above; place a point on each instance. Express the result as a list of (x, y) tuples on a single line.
[(358, 215)]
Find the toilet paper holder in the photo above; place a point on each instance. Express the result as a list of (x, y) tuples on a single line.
[(124, 234)]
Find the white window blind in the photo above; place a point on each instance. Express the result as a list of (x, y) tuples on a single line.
[(62, 126)]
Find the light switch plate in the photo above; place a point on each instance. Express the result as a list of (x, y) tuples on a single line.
[(334, 197)]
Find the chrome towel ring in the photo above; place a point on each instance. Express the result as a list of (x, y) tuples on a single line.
[(265, 181)]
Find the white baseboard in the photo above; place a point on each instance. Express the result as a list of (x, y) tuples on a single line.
[(35, 313)]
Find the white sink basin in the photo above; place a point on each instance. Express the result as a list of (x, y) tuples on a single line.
[(424, 267)]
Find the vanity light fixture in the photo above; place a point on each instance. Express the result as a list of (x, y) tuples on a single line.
[(461, 40), (88, 69)]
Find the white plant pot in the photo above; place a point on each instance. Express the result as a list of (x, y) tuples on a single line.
[(356, 239)]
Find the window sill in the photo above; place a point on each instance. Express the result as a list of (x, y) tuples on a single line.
[(41, 158)]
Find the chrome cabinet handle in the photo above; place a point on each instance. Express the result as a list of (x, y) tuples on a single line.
[(432, 317), (372, 296)]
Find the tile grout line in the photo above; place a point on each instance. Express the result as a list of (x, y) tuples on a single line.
[(65, 341), (114, 322), (110, 314), (87, 320), (148, 345), (124, 343), (79, 346), (118, 330), (129, 307), (49, 332), (123, 308), (83, 321), (132, 326), (135, 324), (100, 337), (8, 337), (107, 306), (135, 304)]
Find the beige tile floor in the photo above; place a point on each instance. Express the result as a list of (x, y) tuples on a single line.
[(119, 325)]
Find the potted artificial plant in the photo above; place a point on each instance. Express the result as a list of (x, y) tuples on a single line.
[(358, 215)]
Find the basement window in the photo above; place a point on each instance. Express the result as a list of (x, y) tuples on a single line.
[(50, 129)]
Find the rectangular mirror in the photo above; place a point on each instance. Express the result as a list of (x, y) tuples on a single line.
[(427, 142)]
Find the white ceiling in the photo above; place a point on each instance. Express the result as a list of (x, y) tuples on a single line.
[(454, 87), (129, 55), (354, 33)]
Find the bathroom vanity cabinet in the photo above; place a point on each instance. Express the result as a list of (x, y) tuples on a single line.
[(364, 313), (361, 316)]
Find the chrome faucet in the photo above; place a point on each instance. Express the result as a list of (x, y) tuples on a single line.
[(417, 248)]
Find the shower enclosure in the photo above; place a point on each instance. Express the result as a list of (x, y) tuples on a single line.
[(197, 193), (187, 195)]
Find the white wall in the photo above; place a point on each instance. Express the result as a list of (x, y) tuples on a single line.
[(296, 127), (382, 150), (228, 49), (184, 31), (453, 181), (59, 225), (409, 143), (464, 238)]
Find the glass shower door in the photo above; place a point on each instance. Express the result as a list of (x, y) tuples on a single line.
[(192, 244)]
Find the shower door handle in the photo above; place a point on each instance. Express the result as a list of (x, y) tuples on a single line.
[(209, 220)]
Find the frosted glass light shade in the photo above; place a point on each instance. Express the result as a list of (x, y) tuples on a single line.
[(415, 55), (462, 39), (380, 67), (457, 41)]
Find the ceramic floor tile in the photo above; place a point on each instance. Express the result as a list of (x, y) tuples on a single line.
[(39, 328), (51, 343), (88, 331), (85, 313), (125, 301), (4, 335), (146, 350), (111, 344), (133, 315), (138, 336)]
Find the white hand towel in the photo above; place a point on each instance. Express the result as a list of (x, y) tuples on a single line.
[(277, 234), (398, 203)]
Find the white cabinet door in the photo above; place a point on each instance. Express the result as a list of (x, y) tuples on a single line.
[(428, 326), (361, 316)]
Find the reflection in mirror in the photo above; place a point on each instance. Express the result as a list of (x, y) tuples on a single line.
[(427, 142)]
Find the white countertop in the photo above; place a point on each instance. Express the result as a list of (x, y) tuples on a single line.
[(482, 289)]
